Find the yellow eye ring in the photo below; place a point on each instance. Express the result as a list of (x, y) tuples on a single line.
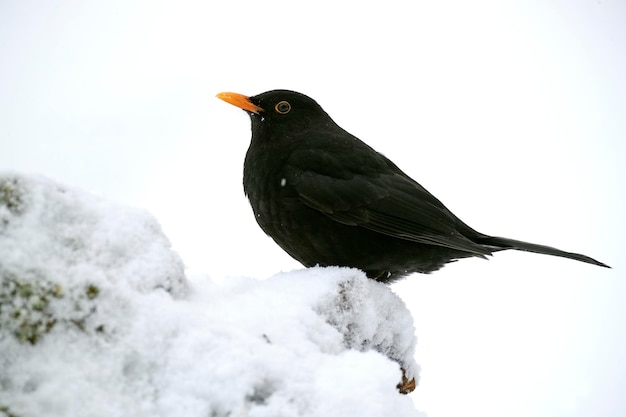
[(283, 107)]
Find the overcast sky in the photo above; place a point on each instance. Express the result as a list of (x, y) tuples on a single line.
[(514, 115)]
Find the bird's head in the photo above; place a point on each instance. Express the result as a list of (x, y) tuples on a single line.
[(280, 110)]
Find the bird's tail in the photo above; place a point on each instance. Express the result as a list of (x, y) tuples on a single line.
[(501, 243)]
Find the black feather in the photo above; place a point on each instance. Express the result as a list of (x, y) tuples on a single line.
[(327, 198)]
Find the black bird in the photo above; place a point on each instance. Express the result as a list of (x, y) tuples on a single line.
[(327, 198)]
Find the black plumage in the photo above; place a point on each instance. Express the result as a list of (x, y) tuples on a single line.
[(327, 198)]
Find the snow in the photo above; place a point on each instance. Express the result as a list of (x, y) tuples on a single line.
[(97, 318)]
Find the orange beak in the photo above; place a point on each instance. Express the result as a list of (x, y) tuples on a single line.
[(241, 101)]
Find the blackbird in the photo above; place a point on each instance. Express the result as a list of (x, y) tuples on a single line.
[(327, 198)]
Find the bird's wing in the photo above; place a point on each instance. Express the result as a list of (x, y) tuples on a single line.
[(359, 187)]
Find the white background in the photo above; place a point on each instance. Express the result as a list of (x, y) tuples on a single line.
[(514, 115)]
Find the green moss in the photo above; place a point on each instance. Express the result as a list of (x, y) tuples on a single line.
[(11, 194), (11, 197), (5, 411), (92, 292), (23, 289), (24, 306)]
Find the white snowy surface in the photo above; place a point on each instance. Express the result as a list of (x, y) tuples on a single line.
[(97, 318)]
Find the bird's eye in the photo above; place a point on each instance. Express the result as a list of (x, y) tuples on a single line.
[(283, 107)]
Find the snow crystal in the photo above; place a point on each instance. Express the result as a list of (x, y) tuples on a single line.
[(97, 318)]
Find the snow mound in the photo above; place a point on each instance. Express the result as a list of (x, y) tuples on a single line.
[(97, 318)]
